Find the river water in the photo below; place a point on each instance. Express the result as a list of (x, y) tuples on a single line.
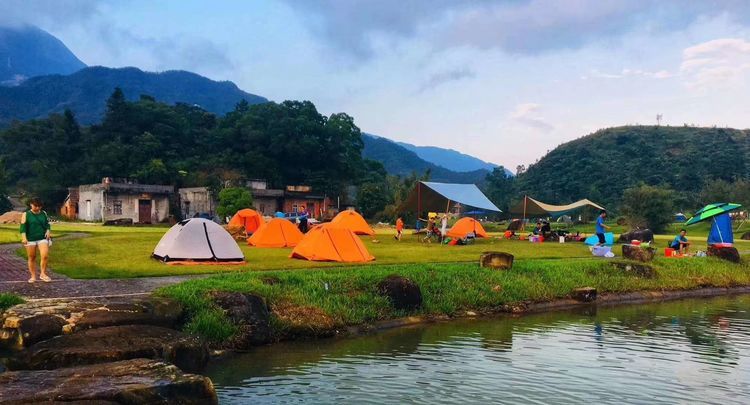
[(688, 351)]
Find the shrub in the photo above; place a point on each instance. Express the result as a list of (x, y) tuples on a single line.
[(233, 199)]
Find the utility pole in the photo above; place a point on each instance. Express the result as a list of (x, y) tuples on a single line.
[(658, 119)]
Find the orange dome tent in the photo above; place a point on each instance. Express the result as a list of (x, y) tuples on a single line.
[(353, 221), (465, 226), (248, 219), (331, 244), (276, 233)]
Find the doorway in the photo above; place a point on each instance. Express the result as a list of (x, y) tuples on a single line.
[(144, 211)]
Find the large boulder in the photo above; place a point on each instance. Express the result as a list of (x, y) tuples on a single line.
[(35, 328), (114, 343), (403, 293), (496, 260), (643, 235), (153, 311), (138, 381), (725, 253), (249, 313), (638, 253)]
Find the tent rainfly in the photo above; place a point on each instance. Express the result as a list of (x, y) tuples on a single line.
[(531, 207), (431, 196)]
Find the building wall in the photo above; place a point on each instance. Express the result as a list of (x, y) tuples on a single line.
[(266, 206), (119, 206), (196, 200)]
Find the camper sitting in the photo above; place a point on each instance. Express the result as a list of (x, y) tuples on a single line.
[(680, 242)]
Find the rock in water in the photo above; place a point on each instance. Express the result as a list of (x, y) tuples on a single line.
[(643, 235), (114, 343), (138, 381), (725, 253), (584, 294), (638, 253), (403, 293), (249, 313), (496, 260)]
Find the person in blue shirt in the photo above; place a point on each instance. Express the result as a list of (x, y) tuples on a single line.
[(680, 242), (601, 227)]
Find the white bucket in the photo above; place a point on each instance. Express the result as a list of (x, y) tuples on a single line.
[(562, 239)]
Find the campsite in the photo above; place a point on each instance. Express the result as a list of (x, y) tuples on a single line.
[(336, 201)]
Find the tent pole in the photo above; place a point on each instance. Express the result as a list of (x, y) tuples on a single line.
[(721, 238)]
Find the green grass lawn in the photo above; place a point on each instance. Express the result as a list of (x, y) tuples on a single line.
[(120, 252)]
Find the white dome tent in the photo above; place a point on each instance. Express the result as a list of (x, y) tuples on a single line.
[(198, 240)]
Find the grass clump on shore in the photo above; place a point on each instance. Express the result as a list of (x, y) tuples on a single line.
[(348, 296), (7, 300)]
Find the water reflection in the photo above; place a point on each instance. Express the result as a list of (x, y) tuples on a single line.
[(683, 351)]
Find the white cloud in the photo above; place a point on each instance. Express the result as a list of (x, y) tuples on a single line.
[(719, 63), (528, 115)]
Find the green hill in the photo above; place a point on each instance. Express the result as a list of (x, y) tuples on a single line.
[(398, 160), (85, 93), (603, 164)]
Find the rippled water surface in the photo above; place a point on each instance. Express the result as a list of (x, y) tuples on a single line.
[(677, 352)]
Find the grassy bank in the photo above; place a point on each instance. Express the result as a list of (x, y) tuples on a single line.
[(8, 300), (300, 300)]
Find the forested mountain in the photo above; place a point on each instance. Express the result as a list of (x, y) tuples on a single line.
[(184, 145), (28, 51), (601, 165), (398, 160), (448, 158), (85, 93)]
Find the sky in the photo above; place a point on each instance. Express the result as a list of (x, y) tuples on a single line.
[(505, 81)]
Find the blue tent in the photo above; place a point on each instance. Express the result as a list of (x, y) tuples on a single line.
[(438, 197), (721, 230)]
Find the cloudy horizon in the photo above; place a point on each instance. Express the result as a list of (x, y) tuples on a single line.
[(504, 81)]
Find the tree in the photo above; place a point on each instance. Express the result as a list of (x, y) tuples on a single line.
[(4, 202), (233, 199), (371, 198), (499, 188), (648, 207)]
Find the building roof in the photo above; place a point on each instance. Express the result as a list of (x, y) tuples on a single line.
[(131, 188)]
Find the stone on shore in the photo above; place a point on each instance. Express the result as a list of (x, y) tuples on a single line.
[(138, 381), (745, 236), (496, 260), (114, 343), (725, 253), (403, 293), (584, 294), (249, 313), (638, 253)]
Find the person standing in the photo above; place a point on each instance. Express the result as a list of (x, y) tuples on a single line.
[(35, 236), (399, 228), (601, 227), (443, 225)]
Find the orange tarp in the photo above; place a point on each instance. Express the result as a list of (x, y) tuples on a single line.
[(465, 226), (247, 218), (332, 244), (353, 221), (276, 233)]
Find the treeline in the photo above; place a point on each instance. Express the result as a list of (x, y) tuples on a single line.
[(183, 145), (695, 165)]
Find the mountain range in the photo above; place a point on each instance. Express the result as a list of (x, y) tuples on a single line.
[(40, 76)]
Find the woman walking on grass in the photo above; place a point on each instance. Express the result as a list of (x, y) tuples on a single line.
[(35, 235)]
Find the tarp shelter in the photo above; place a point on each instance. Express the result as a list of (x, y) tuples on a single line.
[(276, 233), (438, 197), (249, 219), (531, 207), (351, 220), (198, 240), (330, 243), (721, 230), (466, 226)]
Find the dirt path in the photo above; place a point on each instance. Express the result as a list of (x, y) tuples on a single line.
[(14, 276)]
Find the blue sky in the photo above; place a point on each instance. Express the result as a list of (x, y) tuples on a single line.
[(502, 80)]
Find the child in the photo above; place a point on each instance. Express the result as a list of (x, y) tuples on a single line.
[(601, 227), (399, 228)]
